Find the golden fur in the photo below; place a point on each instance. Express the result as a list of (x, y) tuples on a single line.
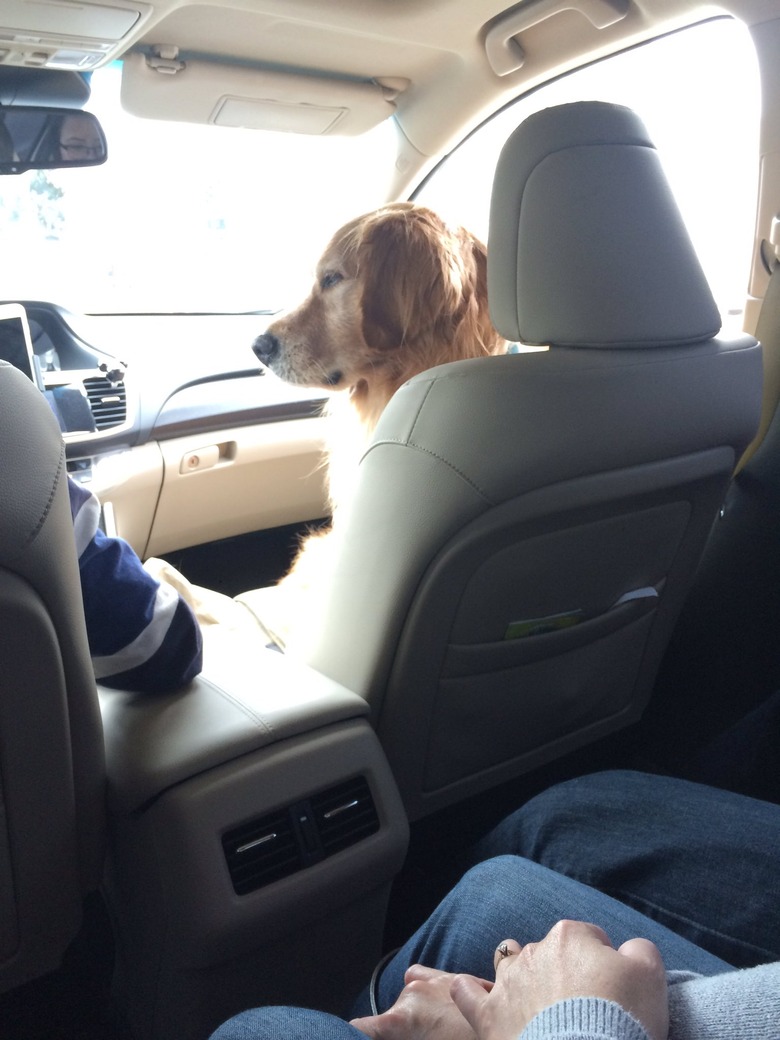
[(396, 292)]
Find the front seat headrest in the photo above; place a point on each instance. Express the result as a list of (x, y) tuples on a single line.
[(586, 246)]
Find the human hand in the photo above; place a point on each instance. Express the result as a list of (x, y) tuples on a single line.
[(424, 1010), (573, 960)]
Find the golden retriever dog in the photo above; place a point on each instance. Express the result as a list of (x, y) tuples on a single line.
[(397, 291)]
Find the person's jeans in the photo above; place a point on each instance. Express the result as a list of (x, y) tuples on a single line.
[(703, 861), (700, 863), (512, 898), (506, 897)]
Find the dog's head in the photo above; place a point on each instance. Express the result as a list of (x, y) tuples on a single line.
[(397, 291)]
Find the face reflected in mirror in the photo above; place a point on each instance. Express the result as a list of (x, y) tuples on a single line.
[(39, 138), (80, 138)]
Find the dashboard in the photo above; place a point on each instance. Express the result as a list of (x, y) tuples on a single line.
[(185, 439)]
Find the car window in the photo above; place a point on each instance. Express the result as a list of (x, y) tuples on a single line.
[(185, 217), (697, 91), (189, 218)]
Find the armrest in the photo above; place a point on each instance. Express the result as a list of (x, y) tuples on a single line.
[(246, 698)]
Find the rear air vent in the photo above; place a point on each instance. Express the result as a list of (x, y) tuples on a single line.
[(282, 843), (261, 852), (107, 401), (344, 815)]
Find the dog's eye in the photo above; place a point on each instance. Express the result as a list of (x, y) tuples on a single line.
[(330, 278)]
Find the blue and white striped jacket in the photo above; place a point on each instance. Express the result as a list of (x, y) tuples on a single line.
[(142, 635)]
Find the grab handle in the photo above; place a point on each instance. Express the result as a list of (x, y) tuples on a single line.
[(504, 51)]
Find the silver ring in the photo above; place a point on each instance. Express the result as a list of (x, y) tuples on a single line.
[(502, 950)]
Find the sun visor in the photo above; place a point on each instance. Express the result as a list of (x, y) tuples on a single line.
[(165, 86)]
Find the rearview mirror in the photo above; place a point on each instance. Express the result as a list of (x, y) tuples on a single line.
[(36, 138)]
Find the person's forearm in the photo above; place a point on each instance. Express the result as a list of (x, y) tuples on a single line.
[(738, 1005), (583, 1018)]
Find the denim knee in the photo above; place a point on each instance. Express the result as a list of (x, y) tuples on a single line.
[(291, 1023)]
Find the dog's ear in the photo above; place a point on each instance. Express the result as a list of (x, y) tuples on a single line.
[(417, 276)]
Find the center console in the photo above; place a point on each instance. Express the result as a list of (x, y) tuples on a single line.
[(255, 830)]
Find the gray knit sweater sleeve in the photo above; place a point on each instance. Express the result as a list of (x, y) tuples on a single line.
[(737, 1005), (584, 1018)]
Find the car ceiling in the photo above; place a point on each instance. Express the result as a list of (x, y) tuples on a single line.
[(427, 63)]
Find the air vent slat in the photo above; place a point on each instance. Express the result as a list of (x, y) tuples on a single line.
[(345, 815), (274, 846), (261, 852), (107, 401)]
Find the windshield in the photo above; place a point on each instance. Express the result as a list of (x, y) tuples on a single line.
[(184, 217), (191, 218)]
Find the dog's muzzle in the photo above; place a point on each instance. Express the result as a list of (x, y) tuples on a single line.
[(267, 348)]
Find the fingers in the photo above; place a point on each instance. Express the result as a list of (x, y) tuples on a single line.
[(643, 952), (468, 994), (507, 948), (389, 1026), (419, 973), (367, 1026)]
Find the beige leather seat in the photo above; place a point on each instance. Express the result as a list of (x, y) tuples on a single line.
[(51, 745), (526, 527)]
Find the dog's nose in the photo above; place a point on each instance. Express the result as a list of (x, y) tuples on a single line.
[(267, 348)]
